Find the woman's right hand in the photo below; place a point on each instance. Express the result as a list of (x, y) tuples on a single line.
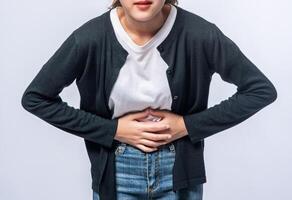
[(141, 134)]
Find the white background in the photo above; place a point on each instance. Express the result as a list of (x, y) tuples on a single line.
[(249, 161)]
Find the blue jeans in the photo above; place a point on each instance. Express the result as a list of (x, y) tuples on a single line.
[(141, 175)]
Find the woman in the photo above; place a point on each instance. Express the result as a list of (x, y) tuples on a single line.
[(143, 71), (140, 27)]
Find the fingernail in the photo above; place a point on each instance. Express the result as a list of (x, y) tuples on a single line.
[(169, 136)]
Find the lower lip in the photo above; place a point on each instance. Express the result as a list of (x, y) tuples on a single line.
[(143, 6)]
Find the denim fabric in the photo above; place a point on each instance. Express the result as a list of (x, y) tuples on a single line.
[(141, 175)]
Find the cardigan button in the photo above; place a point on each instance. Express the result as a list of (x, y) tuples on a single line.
[(169, 71), (175, 97)]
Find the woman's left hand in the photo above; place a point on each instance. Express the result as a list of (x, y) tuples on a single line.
[(176, 123)]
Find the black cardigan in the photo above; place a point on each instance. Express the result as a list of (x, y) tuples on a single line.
[(194, 49)]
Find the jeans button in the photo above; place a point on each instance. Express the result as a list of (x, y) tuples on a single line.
[(172, 148), (120, 149)]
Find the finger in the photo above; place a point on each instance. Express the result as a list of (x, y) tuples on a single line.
[(159, 113), (150, 126), (153, 144), (140, 114), (145, 148), (156, 136), (151, 117)]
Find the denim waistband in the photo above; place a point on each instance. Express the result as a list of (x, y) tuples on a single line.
[(168, 145)]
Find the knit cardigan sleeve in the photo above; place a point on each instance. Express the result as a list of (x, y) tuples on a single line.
[(254, 89), (42, 99)]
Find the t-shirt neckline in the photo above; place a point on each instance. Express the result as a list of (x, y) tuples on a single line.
[(156, 39)]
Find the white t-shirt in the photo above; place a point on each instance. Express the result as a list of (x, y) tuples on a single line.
[(142, 80)]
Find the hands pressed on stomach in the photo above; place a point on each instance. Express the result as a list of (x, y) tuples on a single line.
[(149, 135)]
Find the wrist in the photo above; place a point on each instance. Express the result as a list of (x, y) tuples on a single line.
[(182, 126)]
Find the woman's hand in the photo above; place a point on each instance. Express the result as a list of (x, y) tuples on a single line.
[(146, 136), (177, 126)]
